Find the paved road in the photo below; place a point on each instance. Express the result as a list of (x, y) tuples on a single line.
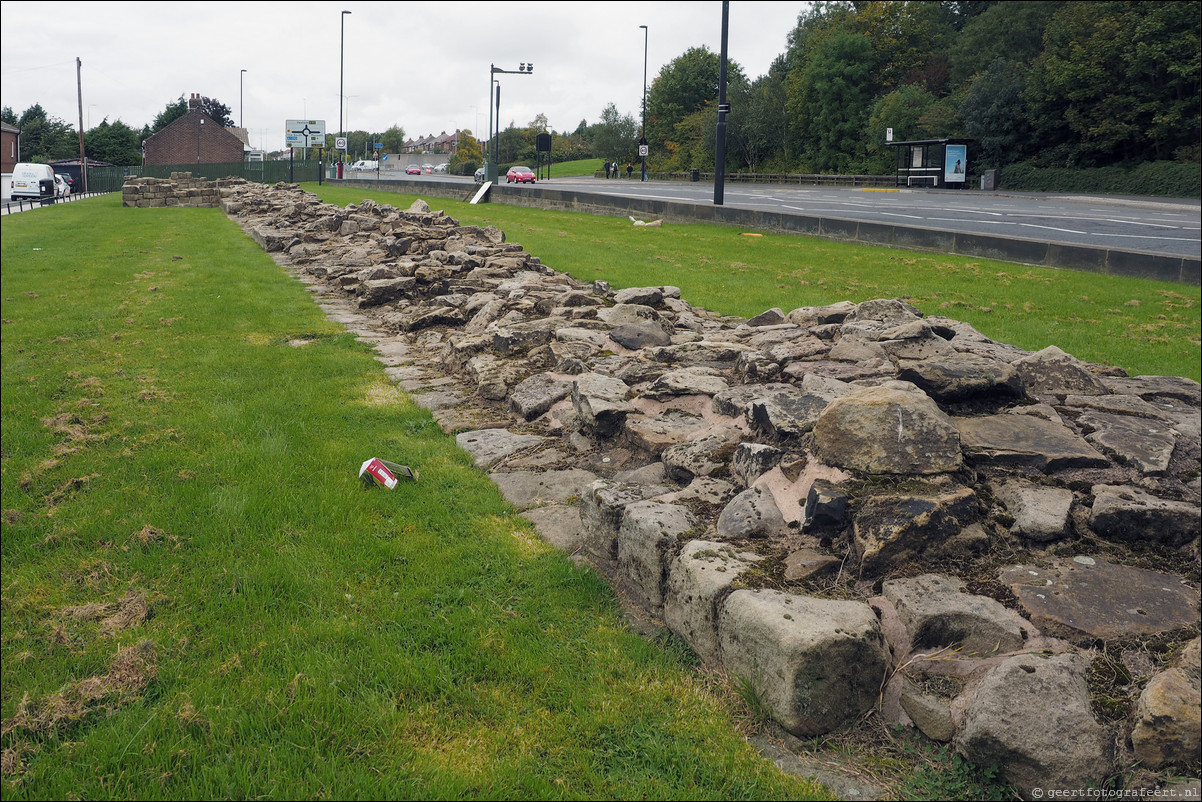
[(1160, 226), (1154, 226)]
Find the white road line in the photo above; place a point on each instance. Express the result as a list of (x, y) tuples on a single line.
[(1148, 236), (1137, 223), (1051, 228)]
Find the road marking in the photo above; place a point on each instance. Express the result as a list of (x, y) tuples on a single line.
[(1137, 223), (1052, 228)]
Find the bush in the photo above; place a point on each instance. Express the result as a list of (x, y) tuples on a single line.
[(464, 168), (1156, 179)]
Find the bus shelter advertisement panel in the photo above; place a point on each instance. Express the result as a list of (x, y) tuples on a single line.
[(956, 164)]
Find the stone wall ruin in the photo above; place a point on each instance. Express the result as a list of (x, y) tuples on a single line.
[(851, 507), (181, 189)]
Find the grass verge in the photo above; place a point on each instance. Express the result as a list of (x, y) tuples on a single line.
[(201, 600), (1145, 327), (576, 167)]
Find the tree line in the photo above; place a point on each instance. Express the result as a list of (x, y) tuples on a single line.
[(1067, 84), (46, 138), (1045, 83)]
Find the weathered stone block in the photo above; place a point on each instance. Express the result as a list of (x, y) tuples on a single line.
[(817, 664), (646, 544), (1009, 724)]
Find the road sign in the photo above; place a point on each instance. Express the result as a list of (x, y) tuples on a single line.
[(340, 143), (305, 133), (643, 150)]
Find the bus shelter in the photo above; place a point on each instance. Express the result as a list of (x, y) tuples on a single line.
[(932, 163)]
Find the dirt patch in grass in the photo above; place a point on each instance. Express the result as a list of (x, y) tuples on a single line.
[(130, 672), (131, 611), (75, 432)]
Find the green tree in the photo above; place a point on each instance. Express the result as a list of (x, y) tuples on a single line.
[(393, 139), (758, 126), (469, 151), (1012, 31), (115, 143), (45, 138), (512, 145), (1118, 81), (814, 25), (170, 114), (839, 100), (994, 115), (8, 115), (908, 42), (218, 111), (683, 87), (615, 136), (904, 110)]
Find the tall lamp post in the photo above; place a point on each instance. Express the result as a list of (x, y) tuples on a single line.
[(723, 110), (341, 61), (241, 120), (490, 167), (643, 138)]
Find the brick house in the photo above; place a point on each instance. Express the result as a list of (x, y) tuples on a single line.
[(443, 143), (195, 138)]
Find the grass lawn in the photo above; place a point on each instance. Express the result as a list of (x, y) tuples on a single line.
[(1145, 327), (201, 600), (577, 167)]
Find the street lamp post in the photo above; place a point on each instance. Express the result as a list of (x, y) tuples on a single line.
[(341, 61), (490, 167), (723, 110), (643, 139), (241, 119)]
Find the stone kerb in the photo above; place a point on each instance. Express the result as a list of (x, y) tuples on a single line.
[(754, 484)]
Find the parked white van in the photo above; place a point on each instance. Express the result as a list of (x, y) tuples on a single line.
[(32, 181)]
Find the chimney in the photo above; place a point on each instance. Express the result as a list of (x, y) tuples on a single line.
[(194, 101)]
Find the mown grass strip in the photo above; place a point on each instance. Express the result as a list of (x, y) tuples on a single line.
[(201, 600), (1144, 327)]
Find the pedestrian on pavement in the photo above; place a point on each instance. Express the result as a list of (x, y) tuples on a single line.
[(629, 169)]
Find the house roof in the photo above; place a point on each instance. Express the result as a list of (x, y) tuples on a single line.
[(187, 117)]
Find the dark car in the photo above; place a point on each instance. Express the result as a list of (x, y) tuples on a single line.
[(520, 175)]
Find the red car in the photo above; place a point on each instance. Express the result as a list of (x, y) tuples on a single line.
[(413, 169), (522, 175)]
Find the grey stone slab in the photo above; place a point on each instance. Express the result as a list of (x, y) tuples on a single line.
[(525, 489), (1088, 598), (489, 446)]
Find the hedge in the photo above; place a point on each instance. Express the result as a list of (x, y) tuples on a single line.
[(1157, 179)]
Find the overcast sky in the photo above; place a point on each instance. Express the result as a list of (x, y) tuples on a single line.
[(424, 67)]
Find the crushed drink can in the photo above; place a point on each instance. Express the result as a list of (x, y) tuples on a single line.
[(384, 473)]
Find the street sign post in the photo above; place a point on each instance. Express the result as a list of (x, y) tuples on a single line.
[(305, 133)]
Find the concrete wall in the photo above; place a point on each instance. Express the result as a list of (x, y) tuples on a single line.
[(1107, 261)]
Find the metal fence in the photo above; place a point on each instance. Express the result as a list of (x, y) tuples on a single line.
[(266, 172), (772, 178)]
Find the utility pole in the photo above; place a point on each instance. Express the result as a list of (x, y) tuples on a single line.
[(83, 156)]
